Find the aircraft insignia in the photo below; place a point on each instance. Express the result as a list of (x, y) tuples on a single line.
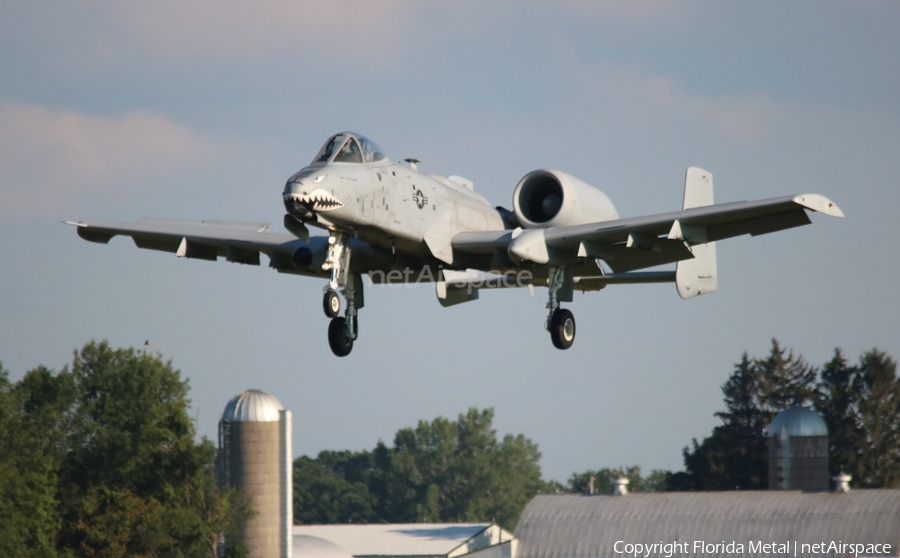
[(420, 199)]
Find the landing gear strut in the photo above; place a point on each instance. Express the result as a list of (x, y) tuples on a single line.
[(560, 322), (342, 330)]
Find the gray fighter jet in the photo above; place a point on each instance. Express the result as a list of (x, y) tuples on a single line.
[(395, 224)]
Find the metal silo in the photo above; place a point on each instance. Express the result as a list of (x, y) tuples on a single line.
[(798, 450), (255, 456)]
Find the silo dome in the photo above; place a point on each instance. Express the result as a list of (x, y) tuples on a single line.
[(252, 406), (798, 421)]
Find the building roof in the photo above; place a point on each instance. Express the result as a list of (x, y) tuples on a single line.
[(252, 406), (314, 547), (406, 539), (581, 526), (797, 421)]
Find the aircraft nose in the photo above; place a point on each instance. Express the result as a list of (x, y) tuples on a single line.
[(294, 187), (295, 193)]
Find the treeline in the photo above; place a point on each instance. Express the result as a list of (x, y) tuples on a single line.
[(859, 402), (99, 459), (459, 470), (439, 471)]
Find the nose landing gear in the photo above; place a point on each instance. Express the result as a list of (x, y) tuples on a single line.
[(331, 303)]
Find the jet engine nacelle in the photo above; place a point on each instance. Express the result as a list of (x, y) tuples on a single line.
[(549, 198)]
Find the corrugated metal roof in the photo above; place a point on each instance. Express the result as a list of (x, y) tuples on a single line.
[(582, 526), (398, 539), (252, 406), (798, 421)]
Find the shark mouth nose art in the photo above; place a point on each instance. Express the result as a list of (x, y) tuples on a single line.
[(318, 200)]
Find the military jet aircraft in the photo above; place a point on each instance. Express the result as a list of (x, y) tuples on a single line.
[(394, 223)]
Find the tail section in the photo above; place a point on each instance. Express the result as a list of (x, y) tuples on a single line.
[(697, 276)]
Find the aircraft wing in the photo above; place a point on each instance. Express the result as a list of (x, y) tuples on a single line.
[(642, 242), (237, 242)]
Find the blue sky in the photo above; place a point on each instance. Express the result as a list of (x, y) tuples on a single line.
[(201, 110)]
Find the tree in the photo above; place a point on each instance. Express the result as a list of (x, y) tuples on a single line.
[(878, 392), (605, 480), (100, 460), (836, 400), (441, 470), (323, 493), (32, 423), (860, 405), (784, 381), (735, 455)]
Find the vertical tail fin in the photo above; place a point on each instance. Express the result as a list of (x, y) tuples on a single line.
[(697, 276)]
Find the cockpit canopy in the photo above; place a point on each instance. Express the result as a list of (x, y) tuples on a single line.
[(348, 147)]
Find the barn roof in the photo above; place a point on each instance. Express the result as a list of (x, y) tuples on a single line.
[(583, 526)]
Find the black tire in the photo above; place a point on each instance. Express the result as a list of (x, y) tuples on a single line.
[(562, 329), (341, 344), (331, 303)]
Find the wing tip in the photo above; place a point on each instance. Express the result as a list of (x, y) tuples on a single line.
[(819, 203)]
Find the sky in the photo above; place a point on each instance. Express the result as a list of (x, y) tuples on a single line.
[(201, 110)]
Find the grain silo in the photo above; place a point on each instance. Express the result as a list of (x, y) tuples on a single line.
[(255, 456), (798, 450)]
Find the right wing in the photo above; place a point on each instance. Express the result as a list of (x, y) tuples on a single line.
[(237, 242)]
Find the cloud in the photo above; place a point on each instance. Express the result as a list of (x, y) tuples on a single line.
[(234, 29), (53, 159), (656, 16), (172, 37), (661, 102)]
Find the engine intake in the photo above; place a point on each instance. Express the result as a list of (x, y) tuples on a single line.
[(549, 198)]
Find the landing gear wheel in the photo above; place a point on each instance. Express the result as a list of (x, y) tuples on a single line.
[(562, 329), (341, 344), (331, 303)]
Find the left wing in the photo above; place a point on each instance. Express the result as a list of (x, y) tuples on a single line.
[(642, 242)]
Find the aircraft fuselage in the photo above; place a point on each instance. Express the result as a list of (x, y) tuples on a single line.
[(387, 205)]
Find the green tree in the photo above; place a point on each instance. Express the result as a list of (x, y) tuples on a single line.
[(605, 480), (100, 460), (734, 456), (837, 401), (783, 380), (133, 481), (459, 471), (441, 470), (325, 494), (878, 391), (32, 427)]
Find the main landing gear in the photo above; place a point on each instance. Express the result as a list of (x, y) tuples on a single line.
[(560, 322), (342, 330)]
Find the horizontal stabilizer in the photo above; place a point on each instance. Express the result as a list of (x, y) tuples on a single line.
[(632, 278)]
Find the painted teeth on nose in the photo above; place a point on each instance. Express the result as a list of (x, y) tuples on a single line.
[(318, 200)]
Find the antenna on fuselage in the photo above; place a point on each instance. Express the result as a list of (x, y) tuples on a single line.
[(413, 163)]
